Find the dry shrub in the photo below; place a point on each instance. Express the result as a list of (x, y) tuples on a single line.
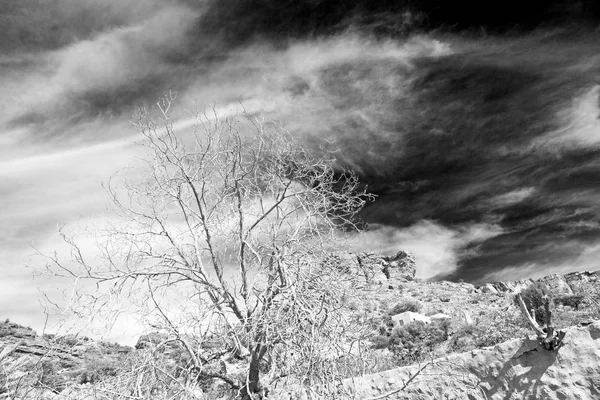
[(404, 306), (417, 339)]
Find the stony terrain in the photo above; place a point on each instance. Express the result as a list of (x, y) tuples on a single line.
[(518, 369), (484, 333), (31, 364)]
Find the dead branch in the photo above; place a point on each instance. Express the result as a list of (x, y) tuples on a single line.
[(406, 384), (548, 336)]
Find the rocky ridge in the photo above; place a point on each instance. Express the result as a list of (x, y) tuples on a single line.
[(401, 268)]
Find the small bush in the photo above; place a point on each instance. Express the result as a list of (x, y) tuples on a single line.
[(471, 337), (69, 340), (50, 378), (99, 368), (416, 339), (380, 342), (572, 301), (408, 305), (386, 325)]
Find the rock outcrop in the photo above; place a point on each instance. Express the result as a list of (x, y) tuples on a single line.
[(511, 286), (374, 269), (579, 281), (519, 369), (400, 268), (41, 366)]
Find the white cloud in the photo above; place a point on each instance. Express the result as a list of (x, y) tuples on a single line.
[(512, 197), (435, 247), (581, 123)]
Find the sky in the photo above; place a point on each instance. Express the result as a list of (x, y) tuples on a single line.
[(484, 152)]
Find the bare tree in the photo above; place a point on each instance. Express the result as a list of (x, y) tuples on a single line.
[(230, 225)]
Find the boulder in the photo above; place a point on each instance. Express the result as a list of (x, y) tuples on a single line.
[(439, 317), (150, 340), (399, 268), (556, 285), (512, 287), (581, 282), (374, 269), (489, 288)]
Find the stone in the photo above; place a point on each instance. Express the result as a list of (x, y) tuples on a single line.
[(375, 269), (557, 285), (512, 287), (400, 268), (581, 281), (489, 288)]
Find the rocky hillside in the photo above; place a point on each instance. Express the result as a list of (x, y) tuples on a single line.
[(473, 318), (518, 369), (31, 365)]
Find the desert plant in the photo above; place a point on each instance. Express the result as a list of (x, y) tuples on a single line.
[(572, 301), (50, 378), (404, 306), (230, 222), (380, 341), (417, 339), (533, 296), (548, 336), (470, 337)]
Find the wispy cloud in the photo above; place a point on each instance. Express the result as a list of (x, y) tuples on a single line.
[(580, 122), (585, 257), (107, 71)]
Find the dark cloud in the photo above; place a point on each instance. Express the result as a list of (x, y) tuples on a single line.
[(487, 144), (235, 22)]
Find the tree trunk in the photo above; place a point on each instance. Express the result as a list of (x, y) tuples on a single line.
[(252, 389)]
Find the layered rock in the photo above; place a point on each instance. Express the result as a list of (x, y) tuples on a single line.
[(400, 268), (556, 285), (374, 269), (580, 281), (45, 365)]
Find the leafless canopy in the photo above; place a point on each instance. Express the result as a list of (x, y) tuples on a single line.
[(229, 224)]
